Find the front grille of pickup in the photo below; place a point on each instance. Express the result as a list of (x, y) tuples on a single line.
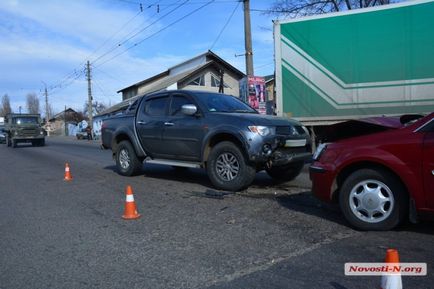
[(286, 130)]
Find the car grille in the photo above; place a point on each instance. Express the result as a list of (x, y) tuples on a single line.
[(286, 130), (28, 132)]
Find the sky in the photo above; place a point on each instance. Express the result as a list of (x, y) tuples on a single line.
[(48, 42)]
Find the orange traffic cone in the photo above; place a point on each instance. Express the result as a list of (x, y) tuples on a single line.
[(391, 281), (68, 176), (130, 212)]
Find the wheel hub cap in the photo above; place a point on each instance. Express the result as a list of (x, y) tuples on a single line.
[(227, 166), (371, 201), (124, 159)]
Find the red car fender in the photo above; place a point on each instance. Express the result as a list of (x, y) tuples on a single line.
[(412, 179)]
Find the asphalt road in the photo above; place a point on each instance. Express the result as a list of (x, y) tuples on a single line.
[(57, 234)]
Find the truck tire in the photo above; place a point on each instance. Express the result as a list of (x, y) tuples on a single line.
[(228, 169), (14, 143), (8, 141), (41, 143), (373, 199), (285, 173), (127, 162)]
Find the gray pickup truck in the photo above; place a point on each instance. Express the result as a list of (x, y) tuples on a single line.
[(206, 130)]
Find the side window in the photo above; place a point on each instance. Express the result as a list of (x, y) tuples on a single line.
[(429, 127), (156, 106), (133, 106), (177, 102)]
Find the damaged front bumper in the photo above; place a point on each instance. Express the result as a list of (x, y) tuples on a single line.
[(279, 150)]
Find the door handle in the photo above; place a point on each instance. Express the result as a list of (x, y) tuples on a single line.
[(141, 122), (169, 123)]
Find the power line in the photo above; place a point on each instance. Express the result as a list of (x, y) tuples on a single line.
[(137, 33), (113, 35), (224, 26), (72, 76), (100, 88), (107, 74), (159, 31)]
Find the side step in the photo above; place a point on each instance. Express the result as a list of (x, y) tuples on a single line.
[(174, 163)]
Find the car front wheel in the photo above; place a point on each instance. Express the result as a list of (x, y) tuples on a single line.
[(127, 162), (228, 169), (373, 199)]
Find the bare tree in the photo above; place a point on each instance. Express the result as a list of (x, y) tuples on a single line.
[(5, 105), (298, 8), (97, 107), (32, 103)]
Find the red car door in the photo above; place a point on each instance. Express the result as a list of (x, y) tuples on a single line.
[(428, 167)]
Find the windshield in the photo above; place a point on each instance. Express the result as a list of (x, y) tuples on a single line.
[(216, 102), (25, 120)]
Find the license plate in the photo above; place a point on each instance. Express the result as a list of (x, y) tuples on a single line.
[(295, 143)]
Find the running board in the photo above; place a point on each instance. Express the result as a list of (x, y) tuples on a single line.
[(174, 163)]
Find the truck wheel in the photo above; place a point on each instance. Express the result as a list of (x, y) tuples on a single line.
[(14, 143), (285, 173), (228, 169), (8, 141), (41, 142), (373, 199), (127, 162)]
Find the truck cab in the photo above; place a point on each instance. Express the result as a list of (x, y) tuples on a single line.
[(24, 128)]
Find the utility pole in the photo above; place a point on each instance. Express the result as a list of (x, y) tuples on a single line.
[(248, 39), (89, 94), (64, 118), (47, 113)]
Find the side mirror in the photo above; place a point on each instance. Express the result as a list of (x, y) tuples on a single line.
[(189, 109)]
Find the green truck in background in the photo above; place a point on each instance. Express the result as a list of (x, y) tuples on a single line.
[(23, 128), (360, 63)]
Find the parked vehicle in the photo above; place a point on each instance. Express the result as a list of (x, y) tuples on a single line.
[(206, 130), (382, 177), (82, 134), (24, 128), (334, 67), (2, 135)]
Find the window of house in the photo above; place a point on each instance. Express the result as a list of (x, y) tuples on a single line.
[(199, 81), (156, 106), (215, 81)]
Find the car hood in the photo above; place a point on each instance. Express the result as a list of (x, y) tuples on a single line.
[(261, 119), (359, 127)]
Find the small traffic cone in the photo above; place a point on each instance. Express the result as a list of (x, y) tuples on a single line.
[(68, 176), (130, 212), (391, 281)]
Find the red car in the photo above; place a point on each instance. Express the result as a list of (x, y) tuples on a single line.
[(381, 177)]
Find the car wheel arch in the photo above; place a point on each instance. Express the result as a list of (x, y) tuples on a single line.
[(345, 172), (221, 137)]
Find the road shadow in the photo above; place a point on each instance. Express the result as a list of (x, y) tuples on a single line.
[(422, 227), (306, 203), (211, 194), (28, 145), (191, 175)]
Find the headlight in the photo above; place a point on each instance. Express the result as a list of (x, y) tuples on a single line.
[(259, 129), (319, 150)]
